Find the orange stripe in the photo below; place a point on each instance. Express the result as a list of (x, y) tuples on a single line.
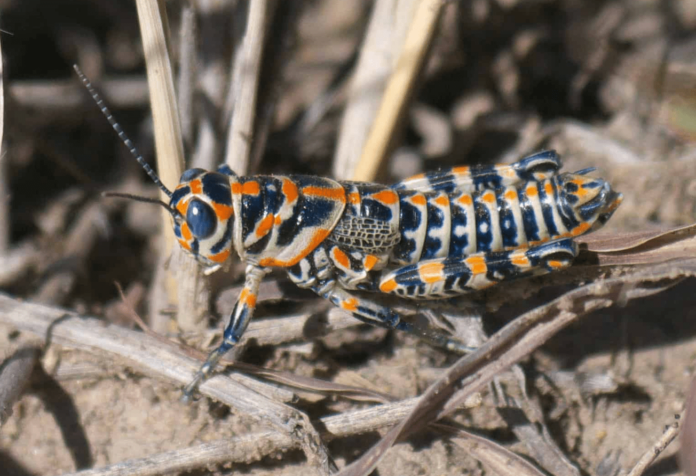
[(431, 272), (247, 298), (184, 244), (511, 195), (532, 190), (330, 193), (350, 304), (465, 199), (265, 226), (221, 257), (460, 170), (236, 188), (290, 191), (196, 186), (386, 197), (319, 236), (418, 199), (251, 188), (442, 200), (477, 264), (580, 229), (278, 220), (582, 191), (182, 207), (555, 264), (340, 257), (185, 232), (488, 197), (370, 262), (548, 188), (388, 286), (223, 212), (520, 260)]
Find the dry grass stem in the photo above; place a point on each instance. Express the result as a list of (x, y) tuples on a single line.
[(4, 190), (15, 372), (400, 88), (186, 289), (378, 53), (241, 130), (157, 358), (668, 436), (187, 72), (64, 96), (512, 343)]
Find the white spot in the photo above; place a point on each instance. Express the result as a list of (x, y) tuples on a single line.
[(271, 187), (459, 230), (506, 224), (483, 227)]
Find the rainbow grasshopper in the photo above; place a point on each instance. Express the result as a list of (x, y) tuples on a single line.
[(434, 235)]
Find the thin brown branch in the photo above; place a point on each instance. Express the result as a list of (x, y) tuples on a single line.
[(247, 77), (159, 359), (670, 433), (514, 342), (14, 377)]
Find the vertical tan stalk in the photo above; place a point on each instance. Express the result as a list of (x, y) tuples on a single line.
[(401, 84), (170, 159)]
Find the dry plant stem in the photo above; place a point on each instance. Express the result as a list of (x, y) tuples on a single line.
[(156, 358), (248, 448), (14, 377), (252, 447), (241, 131), (4, 190), (687, 452), (18, 260), (170, 160), (286, 329), (62, 96), (401, 84), (499, 462), (378, 53), (670, 433), (514, 342), (187, 65), (213, 79)]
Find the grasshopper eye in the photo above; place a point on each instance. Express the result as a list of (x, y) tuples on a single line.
[(201, 219)]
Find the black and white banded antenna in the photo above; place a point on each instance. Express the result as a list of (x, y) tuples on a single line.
[(117, 127)]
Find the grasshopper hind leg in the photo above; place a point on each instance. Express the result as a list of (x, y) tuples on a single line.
[(316, 272)]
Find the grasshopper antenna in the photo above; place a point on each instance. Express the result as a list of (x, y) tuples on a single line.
[(174, 212), (117, 127)]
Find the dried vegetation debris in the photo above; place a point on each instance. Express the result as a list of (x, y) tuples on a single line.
[(607, 84)]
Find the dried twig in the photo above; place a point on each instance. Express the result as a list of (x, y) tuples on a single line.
[(515, 341), (158, 359), (14, 377), (186, 289), (400, 88), (383, 39), (187, 67), (670, 433), (4, 191), (241, 131), (687, 452), (61, 97)]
